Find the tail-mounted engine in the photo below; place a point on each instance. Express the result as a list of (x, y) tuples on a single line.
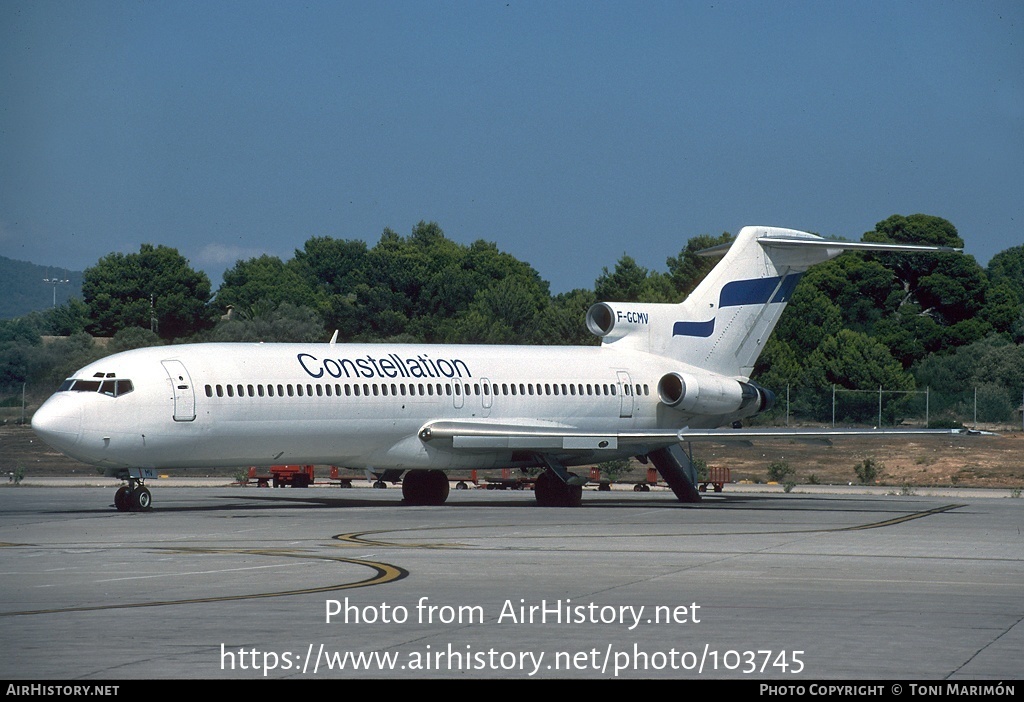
[(612, 321), (714, 395)]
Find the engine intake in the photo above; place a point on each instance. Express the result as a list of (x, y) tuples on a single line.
[(714, 395), (600, 319)]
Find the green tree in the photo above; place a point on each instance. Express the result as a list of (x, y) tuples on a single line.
[(265, 278), (808, 319), (1003, 310), (127, 290), (503, 313), (133, 338), (993, 366), (625, 284), (946, 290), (1008, 267), (687, 269), (563, 320), (268, 322), (854, 361)]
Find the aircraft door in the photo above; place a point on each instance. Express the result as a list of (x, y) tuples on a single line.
[(458, 397), (486, 397), (181, 386), (625, 395)]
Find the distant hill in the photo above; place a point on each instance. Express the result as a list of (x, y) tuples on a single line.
[(23, 290)]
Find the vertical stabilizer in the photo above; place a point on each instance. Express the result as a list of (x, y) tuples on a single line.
[(723, 325)]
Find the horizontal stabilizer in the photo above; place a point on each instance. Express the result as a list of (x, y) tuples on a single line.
[(786, 242)]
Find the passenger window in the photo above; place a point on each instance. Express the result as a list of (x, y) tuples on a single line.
[(209, 391)]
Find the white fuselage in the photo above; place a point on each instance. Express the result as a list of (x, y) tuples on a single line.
[(353, 405)]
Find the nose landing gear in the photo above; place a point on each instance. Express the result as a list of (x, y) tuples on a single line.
[(133, 497)]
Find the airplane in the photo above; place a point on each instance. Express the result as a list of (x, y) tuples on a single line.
[(663, 375)]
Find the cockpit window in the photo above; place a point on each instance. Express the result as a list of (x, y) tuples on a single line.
[(111, 387)]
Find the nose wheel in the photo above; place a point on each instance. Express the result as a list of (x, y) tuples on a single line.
[(133, 497)]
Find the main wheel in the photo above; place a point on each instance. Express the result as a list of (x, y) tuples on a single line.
[(142, 500), (428, 487), (550, 491), (123, 499)]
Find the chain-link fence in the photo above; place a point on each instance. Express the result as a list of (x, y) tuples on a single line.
[(987, 403)]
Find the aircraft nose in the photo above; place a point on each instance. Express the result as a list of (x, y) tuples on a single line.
[(58, 423)]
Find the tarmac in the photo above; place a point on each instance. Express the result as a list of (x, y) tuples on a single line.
[(220, 582)]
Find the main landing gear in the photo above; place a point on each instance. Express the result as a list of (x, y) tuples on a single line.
[(133, 497), (425, 487), (557, 487), (550, 491)]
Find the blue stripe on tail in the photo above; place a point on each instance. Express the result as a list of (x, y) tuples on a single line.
[(757, 291)]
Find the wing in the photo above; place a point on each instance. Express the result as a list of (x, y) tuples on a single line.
[(485, 435)]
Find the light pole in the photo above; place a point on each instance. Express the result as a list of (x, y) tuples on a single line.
[(54, 282)]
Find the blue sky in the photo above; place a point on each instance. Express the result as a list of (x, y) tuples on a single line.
[(568, 133)]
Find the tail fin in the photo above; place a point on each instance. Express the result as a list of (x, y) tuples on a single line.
[(724, 323)]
